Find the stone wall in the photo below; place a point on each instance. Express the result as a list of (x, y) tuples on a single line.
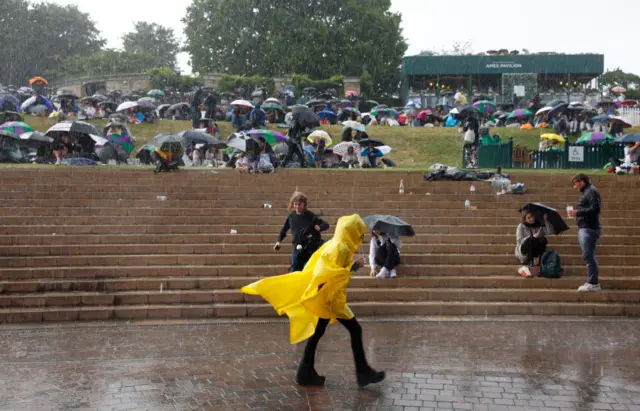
[(124, 82), (129, 82)]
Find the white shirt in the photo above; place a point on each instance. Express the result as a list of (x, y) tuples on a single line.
[(631, 157), (373, 246)]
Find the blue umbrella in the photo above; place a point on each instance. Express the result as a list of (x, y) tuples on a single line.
[(560, 108), (11, 99), (326, 113), (629, 138), (602, 117)]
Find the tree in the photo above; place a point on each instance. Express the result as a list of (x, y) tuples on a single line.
[(36, 37), (618, 77), (107, 61), (319, 38), (155, 40)]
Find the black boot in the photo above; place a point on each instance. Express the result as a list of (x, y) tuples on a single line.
[(370, 376), (307, 376)]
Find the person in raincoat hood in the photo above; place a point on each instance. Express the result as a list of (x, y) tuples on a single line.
[(317, 296)]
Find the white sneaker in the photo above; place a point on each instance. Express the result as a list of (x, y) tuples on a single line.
[(384, 273), (525, 272), (393, 273), (589, 287)]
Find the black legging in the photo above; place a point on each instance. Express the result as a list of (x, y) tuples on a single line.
[(294, 149), (387, 256), (357, 347), (534, 248)]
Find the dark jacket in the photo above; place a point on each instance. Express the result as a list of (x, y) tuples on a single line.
[(588, 209), (299, 222)]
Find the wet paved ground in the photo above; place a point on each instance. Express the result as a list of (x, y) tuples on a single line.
[(523, 364)]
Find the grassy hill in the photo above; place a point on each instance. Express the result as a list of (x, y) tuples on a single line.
[(413, 147)]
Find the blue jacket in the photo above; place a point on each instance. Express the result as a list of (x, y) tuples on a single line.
[(258, 116)]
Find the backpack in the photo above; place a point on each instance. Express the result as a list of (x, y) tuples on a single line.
[(550, 266)]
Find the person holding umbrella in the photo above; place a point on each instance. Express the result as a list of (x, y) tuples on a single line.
[(531, 241), (384, 248), (471, 148), (587, 214), (371, 153)]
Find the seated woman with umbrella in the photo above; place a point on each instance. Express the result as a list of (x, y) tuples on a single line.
[(538, 221), (384, 248), (371, 154)]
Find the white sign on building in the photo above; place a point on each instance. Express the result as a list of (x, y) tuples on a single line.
[(576, 154)]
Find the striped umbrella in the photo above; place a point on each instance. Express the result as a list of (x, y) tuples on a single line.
[(17, 127), (521, 112), (485, 106), (270, 136), (595, 138)]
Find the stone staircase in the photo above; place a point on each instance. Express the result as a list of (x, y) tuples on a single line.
[(97, 244)]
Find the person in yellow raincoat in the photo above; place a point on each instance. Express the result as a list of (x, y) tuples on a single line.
[(317, 296)]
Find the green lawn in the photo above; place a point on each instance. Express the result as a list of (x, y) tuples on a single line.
[(413, 147)]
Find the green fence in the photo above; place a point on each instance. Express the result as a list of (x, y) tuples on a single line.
[(493, 155), (588, 156), (593, 156)]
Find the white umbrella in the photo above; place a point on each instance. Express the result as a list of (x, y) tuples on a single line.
[(454, 111), (341, 149), (384, 149), (543, 110), (28, 102), (100, 141), (354, 125), (242, 103), (127, 105), (272, 100)]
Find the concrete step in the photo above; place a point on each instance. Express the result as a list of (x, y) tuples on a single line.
[(361, 309), (512, 281), (404, 270), (410, 246), (382, 295), (607, 239), (280, 259), (203, 225)]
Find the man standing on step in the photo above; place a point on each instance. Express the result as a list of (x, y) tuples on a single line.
[(587, 213)]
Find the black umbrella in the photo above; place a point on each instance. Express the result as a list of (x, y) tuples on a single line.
[(67, 95), (118, 116), (199, 137), (72, 128), (246, 143), (36, 136), (5, 133), (539, 210), (316, 102), (6, 116), (305, 117), (389, 224), (469, 111), (365, 142)]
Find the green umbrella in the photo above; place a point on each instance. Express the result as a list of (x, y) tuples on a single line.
[(521, 112), (272, 107), (595, 138), (485, 106), (372, 102), (17, 127), (555, 103)]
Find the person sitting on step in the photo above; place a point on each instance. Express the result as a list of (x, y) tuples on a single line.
[(531, 242), (384, 251)]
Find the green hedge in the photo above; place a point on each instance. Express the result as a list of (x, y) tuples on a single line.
[(229, 82)]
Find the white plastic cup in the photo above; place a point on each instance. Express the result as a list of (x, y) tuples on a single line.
[(569, 208), (233, 231)]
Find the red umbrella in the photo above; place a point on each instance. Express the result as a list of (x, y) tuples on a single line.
[(424, 114), (350, 93), (619, 89)]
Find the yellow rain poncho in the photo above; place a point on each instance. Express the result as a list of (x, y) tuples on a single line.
[(320, 290)]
